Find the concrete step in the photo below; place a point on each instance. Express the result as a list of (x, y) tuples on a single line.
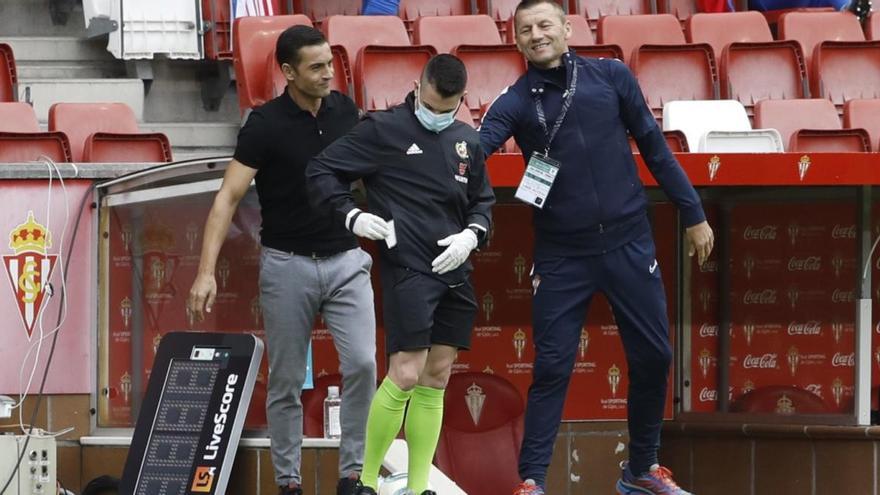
[(197, 139), (57, 48), (45, 92), (34, 18), (71, 70)]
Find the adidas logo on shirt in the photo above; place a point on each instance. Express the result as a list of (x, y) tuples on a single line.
[(414, 150)]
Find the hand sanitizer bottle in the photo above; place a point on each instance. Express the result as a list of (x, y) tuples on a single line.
[(332, 405)]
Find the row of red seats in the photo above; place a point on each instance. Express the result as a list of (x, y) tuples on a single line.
[(217, 13), (79, 132), (501, 11), (814, 125), (376, 64)]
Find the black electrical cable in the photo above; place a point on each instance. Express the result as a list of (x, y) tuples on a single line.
[(36, 410)]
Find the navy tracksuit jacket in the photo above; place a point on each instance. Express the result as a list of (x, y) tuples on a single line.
[(593, 235)]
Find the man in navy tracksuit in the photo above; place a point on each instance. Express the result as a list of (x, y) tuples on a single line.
[(591, 233)]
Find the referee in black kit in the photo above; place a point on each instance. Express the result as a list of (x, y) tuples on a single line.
[(430, 199)]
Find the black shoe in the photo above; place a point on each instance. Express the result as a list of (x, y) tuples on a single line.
[(365, 490), (429, 492), (291, 489), (348, 486)]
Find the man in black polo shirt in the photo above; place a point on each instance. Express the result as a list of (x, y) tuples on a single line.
[(424, 171), (309, 263)]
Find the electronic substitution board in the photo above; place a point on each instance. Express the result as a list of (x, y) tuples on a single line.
[(192, 415)]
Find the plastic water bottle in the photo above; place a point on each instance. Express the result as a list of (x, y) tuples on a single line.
[(332, 406)]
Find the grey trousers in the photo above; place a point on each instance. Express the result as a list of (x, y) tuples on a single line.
[(293, 290)]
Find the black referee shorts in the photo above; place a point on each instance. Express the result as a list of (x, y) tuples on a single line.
[(420, 311)]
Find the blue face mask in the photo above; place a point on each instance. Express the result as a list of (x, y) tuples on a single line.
[(434, 122)]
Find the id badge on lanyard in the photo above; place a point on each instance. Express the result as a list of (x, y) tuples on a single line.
[(541, 171), (537, 180)]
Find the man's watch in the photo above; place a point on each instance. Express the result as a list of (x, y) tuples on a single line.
[(480, 233)]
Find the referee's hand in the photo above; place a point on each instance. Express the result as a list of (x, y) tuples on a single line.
[(701, 240)]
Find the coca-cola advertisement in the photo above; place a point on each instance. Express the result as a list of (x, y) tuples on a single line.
[(792, 300)]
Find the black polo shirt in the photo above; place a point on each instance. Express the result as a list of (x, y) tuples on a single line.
[(278, 140)]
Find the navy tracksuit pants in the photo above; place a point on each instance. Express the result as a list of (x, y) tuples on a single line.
[(630, 279)]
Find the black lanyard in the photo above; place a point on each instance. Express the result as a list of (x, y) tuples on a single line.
[(569, 96)]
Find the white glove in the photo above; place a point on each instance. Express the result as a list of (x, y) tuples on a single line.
[(368, 225), (460, 247)]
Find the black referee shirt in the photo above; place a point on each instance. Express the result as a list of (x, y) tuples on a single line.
[(431, 184), (278, 140)]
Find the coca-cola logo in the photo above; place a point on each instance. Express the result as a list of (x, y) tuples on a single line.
[(808, 264), (811, 327), (843, 360), (842, 296), (707, 330), (843, 232), (764, 233), (708, 395), (765, 362), (766, 296), (815, 388), (709, 267)]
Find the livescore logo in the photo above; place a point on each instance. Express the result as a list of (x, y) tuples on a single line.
[(203, 479)]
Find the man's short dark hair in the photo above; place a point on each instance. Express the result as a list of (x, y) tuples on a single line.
[(527, 4), (446, 73), (292, 39), (102, 485)]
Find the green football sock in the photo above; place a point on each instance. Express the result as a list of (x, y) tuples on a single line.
[(423, 422), (383, 425)]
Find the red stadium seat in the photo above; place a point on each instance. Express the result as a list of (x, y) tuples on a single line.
[(682, 72), (254, 41), (21, 139), (721, 29), (18, 117), (751, 72), (445, 33), (581, 35), (632, 31), (102, 147), (846, 70), (313, 405), (217, 43), (830, 141), (79, 121), (481, 410), (790, 116), (490, 69), (501, 11), (812, 28), (383, 75), (8, 76), (864, 114), (598, 51), (464, 114), (594, 10), (675, 139), (410, 10), (30, 146), (780, 399), (277, 84), (318, 10), (872, 28), (682, 9), (356, 32)]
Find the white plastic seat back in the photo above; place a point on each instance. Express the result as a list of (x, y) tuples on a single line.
[(754, 141), (696, 118)]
